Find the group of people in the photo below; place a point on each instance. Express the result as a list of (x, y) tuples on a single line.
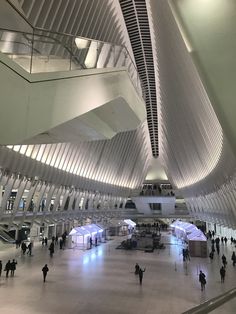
[(91, 242), (215, 243), (62, 243), (139, 271), (24, 247), (9, 267), (186, 255)]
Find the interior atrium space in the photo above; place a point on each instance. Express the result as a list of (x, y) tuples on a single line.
[(117, 156)]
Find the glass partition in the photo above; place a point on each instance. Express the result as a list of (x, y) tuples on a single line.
[(44, 51)]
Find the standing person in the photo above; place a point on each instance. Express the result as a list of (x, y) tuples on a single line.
[(7, 268), (202, 279), (225, 239), (45, 270), (233, 258), (184, 255), (0, 268), (222, 274), (141, 271), (64, 238), (43, 241), (61, 244), (187, 254), (46, 241), (13, 267), (91, 242)]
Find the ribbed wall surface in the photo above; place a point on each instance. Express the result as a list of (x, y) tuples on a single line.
[(81, 176), (113, 162), (194, 150), (88, 18), (191, 136)]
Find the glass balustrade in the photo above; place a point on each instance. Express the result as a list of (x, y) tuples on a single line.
[(43, 51)]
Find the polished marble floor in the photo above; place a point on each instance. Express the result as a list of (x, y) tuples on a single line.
[(102, 281)]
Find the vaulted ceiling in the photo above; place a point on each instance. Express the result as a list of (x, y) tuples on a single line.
[(185, 61)]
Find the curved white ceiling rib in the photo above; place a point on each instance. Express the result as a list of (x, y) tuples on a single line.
[(191, 134), (117, 161), (193, 147), (95, 19)]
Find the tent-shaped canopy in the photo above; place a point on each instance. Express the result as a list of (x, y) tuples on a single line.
[(118, 227), (95, 231), (130, 222), (187, 231), (79, 237), (117, 223)]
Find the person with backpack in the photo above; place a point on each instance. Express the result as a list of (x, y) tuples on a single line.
[(202, 279)]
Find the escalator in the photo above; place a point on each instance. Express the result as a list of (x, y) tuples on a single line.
[(5, 237)]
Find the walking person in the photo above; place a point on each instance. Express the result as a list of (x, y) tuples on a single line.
[(233, 258), (13, 267), (211, 255), (29, 249), (23, 247), (136, 269), (51, 249), (0, 268), (202, 279), (141, 271), (7, 268), (222, 274), (224, 261), (45, 270)]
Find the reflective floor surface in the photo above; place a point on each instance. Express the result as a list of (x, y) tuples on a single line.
[(102, 281)]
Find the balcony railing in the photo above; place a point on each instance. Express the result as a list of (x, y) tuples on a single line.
[(46, 51)]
